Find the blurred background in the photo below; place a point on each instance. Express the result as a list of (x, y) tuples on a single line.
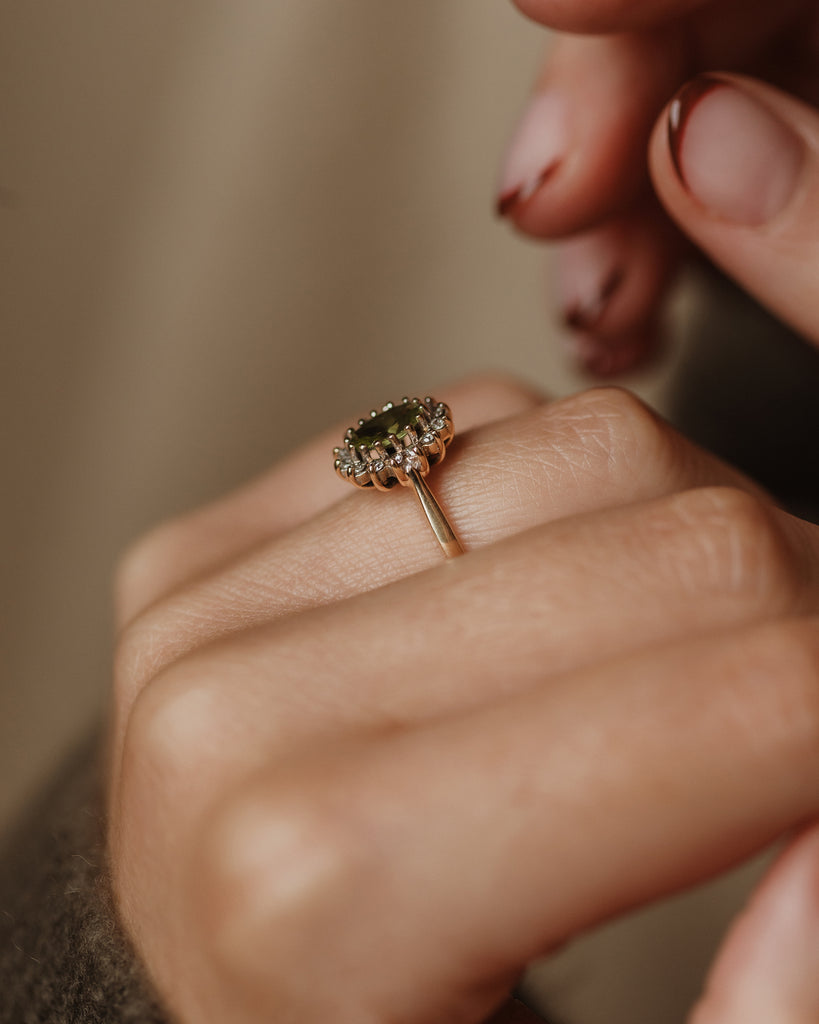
[(224, 226)]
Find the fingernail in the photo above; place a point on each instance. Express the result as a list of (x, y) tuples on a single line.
[(536, 149), (585, 310), (589, 274), (731, 152)]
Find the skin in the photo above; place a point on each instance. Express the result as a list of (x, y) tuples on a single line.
[(284, 796), (353, 782), (619, 73)]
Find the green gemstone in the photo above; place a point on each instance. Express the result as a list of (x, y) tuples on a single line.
[(395, 422)]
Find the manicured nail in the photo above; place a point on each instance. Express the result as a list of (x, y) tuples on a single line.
[(584, 312), (589, 274), (731, 152), (537, 147)]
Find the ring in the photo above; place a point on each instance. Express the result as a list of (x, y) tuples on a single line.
[(398, 445)]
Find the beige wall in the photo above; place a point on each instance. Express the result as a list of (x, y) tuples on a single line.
[(216, 214)]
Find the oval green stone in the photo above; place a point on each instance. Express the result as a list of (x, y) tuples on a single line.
[(394, 421)]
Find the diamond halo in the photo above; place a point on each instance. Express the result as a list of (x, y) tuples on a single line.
[(399, 442)]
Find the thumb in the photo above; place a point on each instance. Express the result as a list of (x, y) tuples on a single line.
[(736, 164), (768, 968)]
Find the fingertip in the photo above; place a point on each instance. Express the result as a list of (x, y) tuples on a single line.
[(539, 143), (611, 285), (577, 156), (768, 967), (733, 155), (734, 162)]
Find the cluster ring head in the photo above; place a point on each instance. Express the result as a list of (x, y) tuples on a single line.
[(401, 440)]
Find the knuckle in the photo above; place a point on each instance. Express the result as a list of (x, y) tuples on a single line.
[(138, 656), (725, 540), (270, 863), (173, 729), (130, 657), (155, 640), (615, 432), (143, 563)]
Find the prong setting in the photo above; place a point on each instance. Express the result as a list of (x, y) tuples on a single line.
[(402, 440)]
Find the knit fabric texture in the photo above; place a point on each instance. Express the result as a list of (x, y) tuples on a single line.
[(63, 957)]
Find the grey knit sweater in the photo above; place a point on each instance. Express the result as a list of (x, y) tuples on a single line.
[(63, 957)]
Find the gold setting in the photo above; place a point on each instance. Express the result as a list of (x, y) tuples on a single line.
[(398, 445)]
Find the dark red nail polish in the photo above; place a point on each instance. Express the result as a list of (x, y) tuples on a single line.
[(680, 110), (584, 316), (507, 201)]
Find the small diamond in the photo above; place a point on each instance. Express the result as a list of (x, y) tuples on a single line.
[(439, 423), (412, 460)]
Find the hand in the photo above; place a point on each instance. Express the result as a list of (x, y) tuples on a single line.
[(743, 189), (354, 782)]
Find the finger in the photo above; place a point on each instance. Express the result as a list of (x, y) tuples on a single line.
[(768, 968), (735, 163), (739, 23), (600, 16), (553, 600), (280, 499), (745, 34), (611, 284), (578, 154), (587, 452), (520, 824)]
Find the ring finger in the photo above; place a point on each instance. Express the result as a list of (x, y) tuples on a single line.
[(585, 453), (182, 549)]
